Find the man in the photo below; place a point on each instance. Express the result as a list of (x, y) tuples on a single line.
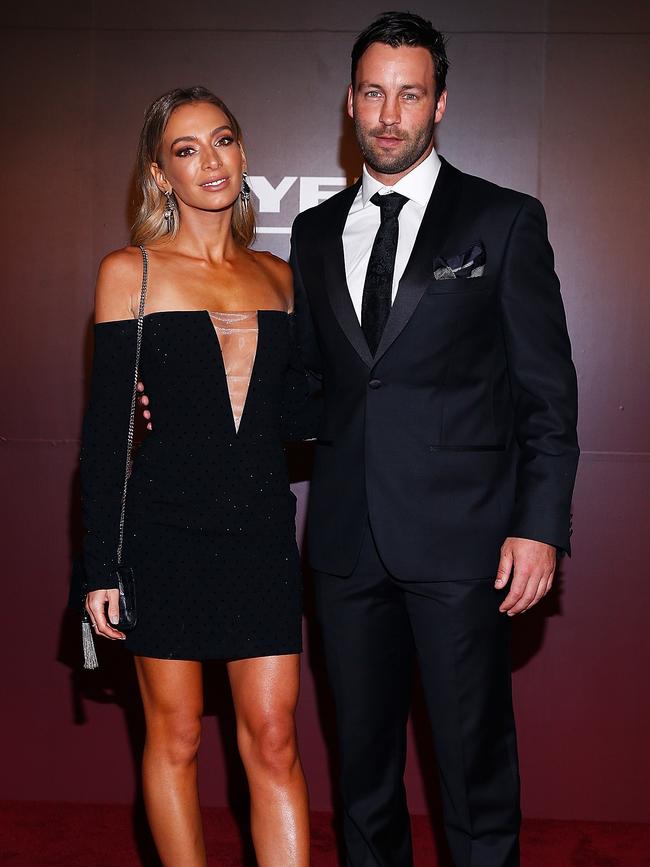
[(430, 315)]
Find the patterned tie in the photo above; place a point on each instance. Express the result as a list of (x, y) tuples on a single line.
[(378, 287)]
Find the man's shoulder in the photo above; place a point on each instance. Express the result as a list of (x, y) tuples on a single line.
[(475, 190), (326, 210), (480, 191), (490, 190)]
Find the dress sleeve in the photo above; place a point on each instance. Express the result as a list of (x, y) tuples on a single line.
[(301, 408), (103, 449)]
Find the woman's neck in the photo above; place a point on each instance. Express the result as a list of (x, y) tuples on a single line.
[(206, 235)]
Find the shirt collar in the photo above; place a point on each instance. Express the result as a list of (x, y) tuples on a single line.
[(416, 185)]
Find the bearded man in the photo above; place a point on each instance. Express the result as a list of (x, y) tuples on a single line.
[(430, 317)]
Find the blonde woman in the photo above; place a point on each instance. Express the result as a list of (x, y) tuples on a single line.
[(209, 516)]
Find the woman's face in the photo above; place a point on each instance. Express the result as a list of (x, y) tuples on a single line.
[(200, 159)]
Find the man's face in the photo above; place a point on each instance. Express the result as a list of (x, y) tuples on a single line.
[(393, 105)]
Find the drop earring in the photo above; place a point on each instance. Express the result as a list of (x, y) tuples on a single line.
[(245, 188), (170, 209)]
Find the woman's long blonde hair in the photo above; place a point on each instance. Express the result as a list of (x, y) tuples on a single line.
[(150, 223)]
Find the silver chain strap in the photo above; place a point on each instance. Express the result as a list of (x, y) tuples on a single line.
[(134, 398)]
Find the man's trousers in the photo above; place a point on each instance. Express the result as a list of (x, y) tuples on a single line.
[(374, 627)]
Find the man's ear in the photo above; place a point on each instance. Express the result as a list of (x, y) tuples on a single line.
[(441, 106), (350, 100), (159, 177)]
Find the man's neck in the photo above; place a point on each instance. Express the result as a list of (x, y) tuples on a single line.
[(389, 180)]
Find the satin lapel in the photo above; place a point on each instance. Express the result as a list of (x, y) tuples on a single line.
[(419, 270), (334, 274)]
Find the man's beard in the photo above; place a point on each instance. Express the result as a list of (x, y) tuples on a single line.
[(388, 163)]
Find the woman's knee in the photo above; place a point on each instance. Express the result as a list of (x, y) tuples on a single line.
[(270, 744), (176, 736)]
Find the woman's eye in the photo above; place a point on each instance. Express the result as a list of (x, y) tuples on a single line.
[(226, 140), (184, 152)]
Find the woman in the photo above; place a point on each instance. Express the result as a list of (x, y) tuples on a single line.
[(210, 527)]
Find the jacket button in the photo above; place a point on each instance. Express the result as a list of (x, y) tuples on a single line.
[(375, 383)]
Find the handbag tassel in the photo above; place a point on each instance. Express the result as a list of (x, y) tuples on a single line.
[(90, 656)]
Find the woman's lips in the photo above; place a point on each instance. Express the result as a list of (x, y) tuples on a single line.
[(214, 184)]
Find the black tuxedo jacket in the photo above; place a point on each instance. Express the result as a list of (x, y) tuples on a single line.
[(461, 430)]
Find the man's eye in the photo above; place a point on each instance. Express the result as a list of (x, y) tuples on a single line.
[(373, 93), (412, 97)]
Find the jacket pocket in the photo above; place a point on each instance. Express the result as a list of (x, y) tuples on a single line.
[(458, 285)]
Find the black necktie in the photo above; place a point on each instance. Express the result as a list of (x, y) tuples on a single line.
[(378, 287)]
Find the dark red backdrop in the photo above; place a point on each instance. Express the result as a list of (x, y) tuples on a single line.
[(545, 96)]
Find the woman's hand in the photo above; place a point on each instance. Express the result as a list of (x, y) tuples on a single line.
[(96, 608), (144, 401)]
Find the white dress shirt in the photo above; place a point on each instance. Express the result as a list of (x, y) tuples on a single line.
[(364, 218)]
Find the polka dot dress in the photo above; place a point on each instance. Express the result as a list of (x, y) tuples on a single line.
[(210, 519)]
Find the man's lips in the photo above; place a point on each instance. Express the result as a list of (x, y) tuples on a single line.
[(388, 141)]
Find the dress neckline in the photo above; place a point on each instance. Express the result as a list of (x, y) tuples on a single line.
[(221, 312), (199, 312)]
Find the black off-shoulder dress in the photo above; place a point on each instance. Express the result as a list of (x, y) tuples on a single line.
[(210, 518)]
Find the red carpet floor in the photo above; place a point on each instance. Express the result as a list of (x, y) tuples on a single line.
[(72, 835)]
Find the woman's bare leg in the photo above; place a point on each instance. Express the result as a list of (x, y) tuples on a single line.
[(265, 693), (172, 694)]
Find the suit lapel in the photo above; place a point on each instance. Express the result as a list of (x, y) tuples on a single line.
[(419, 270), (335, 278), (432, 232)]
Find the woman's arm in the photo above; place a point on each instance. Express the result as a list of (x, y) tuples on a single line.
[(105, 430), (118, 284), (301, 408)]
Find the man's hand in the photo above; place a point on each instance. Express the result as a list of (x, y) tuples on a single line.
[(144, 401), (532, 566)]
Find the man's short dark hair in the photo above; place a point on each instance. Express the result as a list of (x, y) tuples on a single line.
[(405, 28)]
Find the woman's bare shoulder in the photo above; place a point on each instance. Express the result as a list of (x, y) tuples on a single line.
[(118, 282), (279, 272)]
